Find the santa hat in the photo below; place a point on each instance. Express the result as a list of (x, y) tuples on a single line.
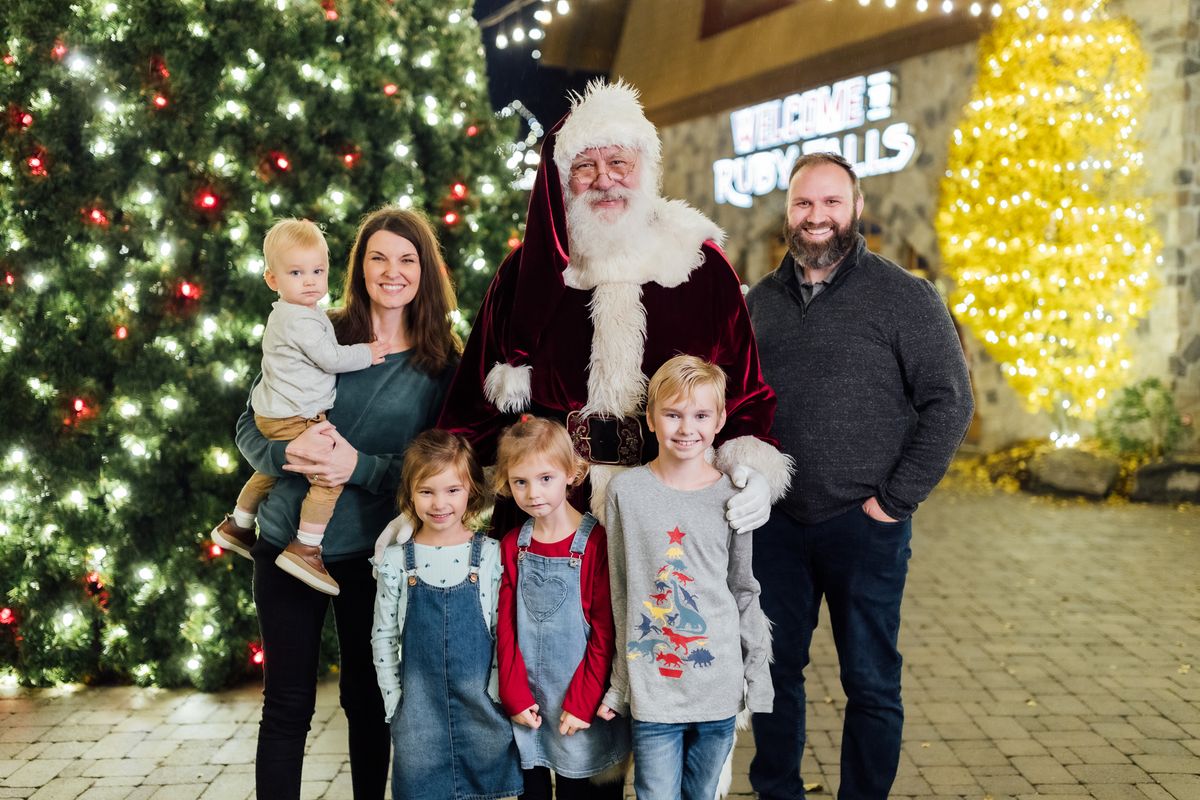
[(606, 115)]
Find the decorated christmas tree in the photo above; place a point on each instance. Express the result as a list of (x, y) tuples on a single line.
[(147, 146), (1043, 222)]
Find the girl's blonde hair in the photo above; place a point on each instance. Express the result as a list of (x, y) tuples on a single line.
[(432, 452), (680, 377), (536, 436)]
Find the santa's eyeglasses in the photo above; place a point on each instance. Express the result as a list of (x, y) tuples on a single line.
[(617, 167)]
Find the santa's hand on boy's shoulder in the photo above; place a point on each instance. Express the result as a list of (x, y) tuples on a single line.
[(605, 713), (529, 717), (751, 507), (379, 350), (568, 723)]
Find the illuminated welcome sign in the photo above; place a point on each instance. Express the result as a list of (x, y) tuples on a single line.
[(769, 137)]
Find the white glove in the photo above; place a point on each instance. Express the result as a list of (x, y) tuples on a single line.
[(751, 507), (399, 531)]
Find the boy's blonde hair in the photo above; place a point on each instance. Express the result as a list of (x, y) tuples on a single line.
[(680, 377), (289, 233), (430, 453), (536, 436)]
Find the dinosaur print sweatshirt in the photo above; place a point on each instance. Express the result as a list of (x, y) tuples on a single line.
[(692, 642)]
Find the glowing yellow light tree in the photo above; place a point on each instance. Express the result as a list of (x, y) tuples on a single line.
[(1043, 224)]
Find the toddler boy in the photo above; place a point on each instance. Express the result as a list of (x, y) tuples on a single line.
[(301, 357)]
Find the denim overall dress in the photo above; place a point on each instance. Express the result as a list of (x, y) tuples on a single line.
[(553, 634), (452, 742)]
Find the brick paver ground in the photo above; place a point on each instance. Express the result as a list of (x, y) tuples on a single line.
[(1051, 651)]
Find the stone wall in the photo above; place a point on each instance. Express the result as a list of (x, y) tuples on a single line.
[(901, 206)]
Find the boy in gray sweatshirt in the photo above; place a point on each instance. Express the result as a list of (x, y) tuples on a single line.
[(692, 642)]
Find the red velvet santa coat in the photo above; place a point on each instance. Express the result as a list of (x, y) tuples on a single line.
[(543, 333)]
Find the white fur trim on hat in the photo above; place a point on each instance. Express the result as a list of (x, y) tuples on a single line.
[(608, 114), (508, 387)]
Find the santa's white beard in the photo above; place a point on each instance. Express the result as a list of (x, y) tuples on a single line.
[(597, 235)]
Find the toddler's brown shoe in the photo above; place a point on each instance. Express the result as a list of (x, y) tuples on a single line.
[(304, 562), (233, 537)]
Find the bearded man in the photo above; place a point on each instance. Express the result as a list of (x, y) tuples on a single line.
[(874, 399), (611, 281)]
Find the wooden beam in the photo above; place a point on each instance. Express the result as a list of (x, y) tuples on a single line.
[(938, 32)]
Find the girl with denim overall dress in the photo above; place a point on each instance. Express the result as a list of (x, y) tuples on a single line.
[(555, 631), (434, 649)]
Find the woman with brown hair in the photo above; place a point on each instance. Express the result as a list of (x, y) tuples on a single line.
[(397, 291)]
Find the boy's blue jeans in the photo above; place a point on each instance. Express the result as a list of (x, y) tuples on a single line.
[(858, 565), (679, 761)]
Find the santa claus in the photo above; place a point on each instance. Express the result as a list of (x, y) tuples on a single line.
[(612, 280)]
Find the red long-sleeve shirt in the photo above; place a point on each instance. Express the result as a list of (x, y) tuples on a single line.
[(590, 680)]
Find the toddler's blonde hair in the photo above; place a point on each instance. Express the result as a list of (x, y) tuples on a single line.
[(289, 233)]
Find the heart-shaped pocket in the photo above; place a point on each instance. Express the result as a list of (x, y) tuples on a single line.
[(542, 595)]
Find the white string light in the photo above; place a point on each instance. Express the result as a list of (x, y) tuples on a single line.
[(513, 27)]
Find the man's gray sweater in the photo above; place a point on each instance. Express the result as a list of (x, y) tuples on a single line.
[(872, 386)]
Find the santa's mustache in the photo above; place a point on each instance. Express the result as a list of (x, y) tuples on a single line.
[(600, 195)]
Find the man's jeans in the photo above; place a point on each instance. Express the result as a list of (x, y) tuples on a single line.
[(679, 760), (858, 565)]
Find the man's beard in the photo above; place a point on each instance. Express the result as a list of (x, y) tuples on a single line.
[(820, 255), (598, 233)]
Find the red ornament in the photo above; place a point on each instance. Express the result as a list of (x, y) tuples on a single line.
[(257, 657), (472, 130), (390, 89), (459, 190), (9, 279), (281, 162), (215, 550), (350, 159), (159, 67), (9, 59), (95, 588), (206, 200), (96, 217), (79, 411), (19, 117), (59, 50), (122, 332), (160, 101), (188, 291), (450, 217), (36, 164), (7, 616), (513, 242), (330, 7)]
